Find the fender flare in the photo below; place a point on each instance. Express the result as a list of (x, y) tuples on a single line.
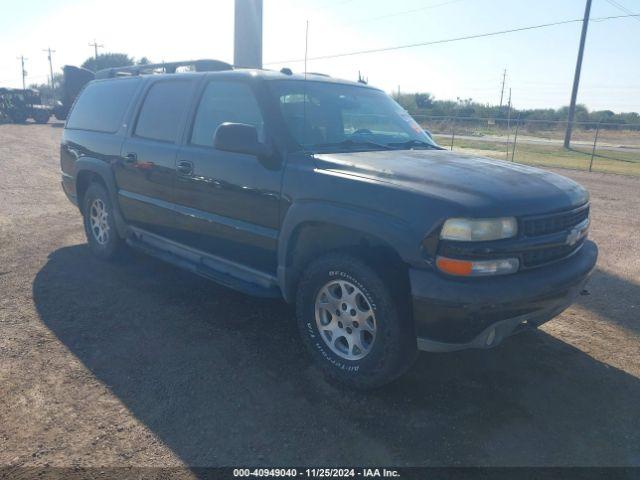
[(392, 230), (104, 171)]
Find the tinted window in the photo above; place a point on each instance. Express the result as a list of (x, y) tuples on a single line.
[(225, 102), (163, 110), (102, 105)]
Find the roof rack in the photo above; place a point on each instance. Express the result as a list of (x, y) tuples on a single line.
[(204, 65)]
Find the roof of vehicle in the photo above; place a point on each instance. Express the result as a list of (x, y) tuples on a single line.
[(247, 72)]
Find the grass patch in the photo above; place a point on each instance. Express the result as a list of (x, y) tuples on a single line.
[(607, 161)]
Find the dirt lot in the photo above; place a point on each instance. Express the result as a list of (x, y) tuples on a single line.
[(140, 363)]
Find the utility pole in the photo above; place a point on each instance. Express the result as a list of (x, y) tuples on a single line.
[(576, 78), (247, 44), (49, 52), (24, 73), (509, 124), (95, 49), (504, 78)]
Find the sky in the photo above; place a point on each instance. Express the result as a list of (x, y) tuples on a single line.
[(540, 63)]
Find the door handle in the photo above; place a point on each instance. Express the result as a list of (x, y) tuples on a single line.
[(184, 167), (131, 157)]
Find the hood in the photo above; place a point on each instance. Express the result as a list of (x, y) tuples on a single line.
[(478, 185)]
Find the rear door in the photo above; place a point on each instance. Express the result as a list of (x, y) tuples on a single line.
[(228, 202), (146, 173)]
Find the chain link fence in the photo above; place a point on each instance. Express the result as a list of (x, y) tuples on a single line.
[(595, 146)]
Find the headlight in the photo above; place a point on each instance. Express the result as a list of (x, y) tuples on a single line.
[(479, 230), (477, 268)]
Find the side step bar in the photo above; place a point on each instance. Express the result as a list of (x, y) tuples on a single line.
[(222, 271)]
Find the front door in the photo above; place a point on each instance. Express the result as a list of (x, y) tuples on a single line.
[(146, 173), (227, 203)]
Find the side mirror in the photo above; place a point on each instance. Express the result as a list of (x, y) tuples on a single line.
[(239, 138)]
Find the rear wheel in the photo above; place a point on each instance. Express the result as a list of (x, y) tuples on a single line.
[(41, 116), (99, 223), (352, 324)]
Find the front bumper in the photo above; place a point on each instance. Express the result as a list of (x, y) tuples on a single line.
[(454, 314)]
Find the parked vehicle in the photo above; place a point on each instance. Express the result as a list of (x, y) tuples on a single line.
[(18, 105), (328, 194), (73, 81)]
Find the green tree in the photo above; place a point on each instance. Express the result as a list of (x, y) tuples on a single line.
[(423, 100), (108, 60)]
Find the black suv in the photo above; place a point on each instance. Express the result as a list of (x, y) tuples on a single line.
[(327, 193)]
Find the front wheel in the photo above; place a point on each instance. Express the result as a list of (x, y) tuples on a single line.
[(350, 321), (18, 116), (99, 223)]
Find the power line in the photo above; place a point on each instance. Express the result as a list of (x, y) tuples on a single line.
[(450, 40), (622, 8), (406, 12)]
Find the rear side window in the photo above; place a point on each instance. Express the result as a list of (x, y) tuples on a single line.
[(163, 110), (225, 102), (102, 105)]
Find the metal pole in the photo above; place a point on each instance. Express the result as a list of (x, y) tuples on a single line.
[(453, 132), (49, 52), (515, 139), (595, 141), (508, 125), (95, 50), (576, 78), (24, 74), (504, 77)]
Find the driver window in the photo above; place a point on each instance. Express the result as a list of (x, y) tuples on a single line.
[(225, 102)]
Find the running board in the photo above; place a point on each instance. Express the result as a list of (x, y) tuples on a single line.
[(222, 271)]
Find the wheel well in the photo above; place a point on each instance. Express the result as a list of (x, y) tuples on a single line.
[(83, 180), (311, 240)]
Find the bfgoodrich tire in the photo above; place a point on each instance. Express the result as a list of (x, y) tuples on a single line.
[(99, 223), (351, 323)]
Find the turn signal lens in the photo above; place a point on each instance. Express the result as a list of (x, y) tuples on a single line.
[(469, 268), (454, 267)]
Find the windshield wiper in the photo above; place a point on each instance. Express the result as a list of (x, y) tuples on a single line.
[(414, 143), (355, 143)]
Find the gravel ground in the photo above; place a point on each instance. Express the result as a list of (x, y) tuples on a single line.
[(139, 363)]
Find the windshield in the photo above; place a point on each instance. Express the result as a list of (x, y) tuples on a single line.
[(324, 116)]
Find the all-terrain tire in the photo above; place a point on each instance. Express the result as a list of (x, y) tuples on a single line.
[(99, 224), (393, 348), (41, 117)]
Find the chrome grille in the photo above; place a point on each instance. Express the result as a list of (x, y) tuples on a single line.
[(554, 223)]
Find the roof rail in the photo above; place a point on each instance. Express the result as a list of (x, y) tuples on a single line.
[(165, 67)]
